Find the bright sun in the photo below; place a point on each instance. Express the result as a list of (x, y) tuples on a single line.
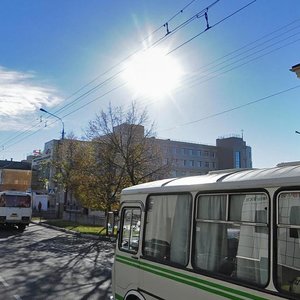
[(153, 73)]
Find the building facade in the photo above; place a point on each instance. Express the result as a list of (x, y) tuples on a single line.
[(182, 158), (15, 175), (188, 159), (233, 153), (47, 166)]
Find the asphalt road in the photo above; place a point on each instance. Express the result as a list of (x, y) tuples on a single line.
[(43, 263)]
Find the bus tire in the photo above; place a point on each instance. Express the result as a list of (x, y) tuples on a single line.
[(134, 296), (21, 227)]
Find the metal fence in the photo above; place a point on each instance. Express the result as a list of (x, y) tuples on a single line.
[(81, 218)]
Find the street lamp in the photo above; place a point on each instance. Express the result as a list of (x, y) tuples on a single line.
[(296, 70), (63, 125)]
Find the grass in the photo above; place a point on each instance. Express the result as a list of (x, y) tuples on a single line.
[(88, 229)]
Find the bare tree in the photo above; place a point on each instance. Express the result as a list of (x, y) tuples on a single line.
[(137, 157), (125, 150)]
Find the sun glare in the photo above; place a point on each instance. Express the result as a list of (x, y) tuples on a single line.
[(153, 73)]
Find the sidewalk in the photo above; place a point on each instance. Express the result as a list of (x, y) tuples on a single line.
[(79, 234)]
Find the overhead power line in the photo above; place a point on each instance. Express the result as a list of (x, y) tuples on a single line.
[(152, 45), (115, 75), (234, 108), (84, 95), (210, 27)]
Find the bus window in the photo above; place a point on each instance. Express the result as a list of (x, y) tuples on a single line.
[(130, 229), (15, 201), (2, 201), (232, 236), (288, 242), (167, 228), (211, 232)]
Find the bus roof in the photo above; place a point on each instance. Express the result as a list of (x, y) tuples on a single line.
[(224, 179)]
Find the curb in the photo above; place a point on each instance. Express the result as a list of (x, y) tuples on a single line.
[(84, 235)]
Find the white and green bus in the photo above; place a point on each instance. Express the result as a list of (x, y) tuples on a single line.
[(232, 234)]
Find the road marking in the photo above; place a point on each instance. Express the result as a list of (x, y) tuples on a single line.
[(2, 280)]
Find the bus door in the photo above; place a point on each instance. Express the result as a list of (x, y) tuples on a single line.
[(127, 255)]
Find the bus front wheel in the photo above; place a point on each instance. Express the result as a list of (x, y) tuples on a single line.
[(21, 227), (134, 296)]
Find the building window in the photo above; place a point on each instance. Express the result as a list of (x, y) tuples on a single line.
[(237, 159), (206, 153), (185, 151), (191, 163), (199, 164), (185, 162), (206, 164)]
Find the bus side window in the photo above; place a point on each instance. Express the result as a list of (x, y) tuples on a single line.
[(167, 228), (130, 229), (233, 242), (288, 245), (294, 220)]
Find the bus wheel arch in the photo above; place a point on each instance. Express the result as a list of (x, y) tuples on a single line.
[(133, 295)]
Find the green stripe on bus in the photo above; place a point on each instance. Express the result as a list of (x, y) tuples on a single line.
[(118, 297), (189, 280), (184, 281)]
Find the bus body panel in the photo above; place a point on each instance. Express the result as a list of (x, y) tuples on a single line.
[(15, 215), (189, 285), (164, 282), (152, 279)]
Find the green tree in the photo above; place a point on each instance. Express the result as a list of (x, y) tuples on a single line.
[(68, 164)]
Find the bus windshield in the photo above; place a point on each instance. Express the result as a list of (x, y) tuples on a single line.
[(15, 201)]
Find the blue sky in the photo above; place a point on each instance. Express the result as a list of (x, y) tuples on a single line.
[(235, 76)]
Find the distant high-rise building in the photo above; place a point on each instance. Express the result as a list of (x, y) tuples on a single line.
[(233, 153)]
